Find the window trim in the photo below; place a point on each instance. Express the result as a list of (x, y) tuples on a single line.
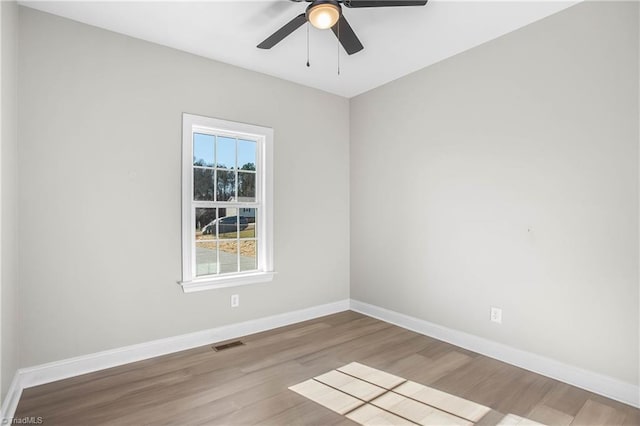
[(264, 191)]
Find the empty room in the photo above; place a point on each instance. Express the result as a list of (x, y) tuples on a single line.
[(320, 212)]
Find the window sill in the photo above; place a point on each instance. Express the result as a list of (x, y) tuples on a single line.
[(210, 283)]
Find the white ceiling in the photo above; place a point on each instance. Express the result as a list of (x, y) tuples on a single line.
[(397, 40)]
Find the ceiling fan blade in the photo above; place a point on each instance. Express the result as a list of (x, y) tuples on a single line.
[(287, 29), (347, 37), (383, 3)]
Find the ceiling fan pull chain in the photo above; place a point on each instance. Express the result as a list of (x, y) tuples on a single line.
[(338, 47), (308, 65)]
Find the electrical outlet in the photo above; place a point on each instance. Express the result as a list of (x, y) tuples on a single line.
[(496, 315), (235, 300)]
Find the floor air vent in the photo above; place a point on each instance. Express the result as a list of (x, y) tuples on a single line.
[(228, 345)]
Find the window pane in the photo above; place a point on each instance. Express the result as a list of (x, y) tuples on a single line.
[(206, 224), (228, 225), (206, 258), (248, 223), (226, 152), (246, 155), (248, 255), (226, 185), (203, 150), (246, 187), (203, 185), (228, 256)]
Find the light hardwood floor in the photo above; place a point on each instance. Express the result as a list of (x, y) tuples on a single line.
[(249, 384)]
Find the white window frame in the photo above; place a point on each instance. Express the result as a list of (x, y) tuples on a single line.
[(264, 202)]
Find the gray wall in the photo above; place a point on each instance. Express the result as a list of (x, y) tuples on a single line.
[(8, 191), (100, 149), (508, 176)]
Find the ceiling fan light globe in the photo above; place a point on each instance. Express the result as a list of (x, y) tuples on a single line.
[(324, 16)]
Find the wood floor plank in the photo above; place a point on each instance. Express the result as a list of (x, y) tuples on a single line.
[(566, 398), (436, 348), (495, 384), (492, 418), (414, 365), (632, 417), (364, 346), (389, 354), (523, 394), (546, 415), (437, 369), (443, 401), (271, 408), (249, 384), (594, 413)]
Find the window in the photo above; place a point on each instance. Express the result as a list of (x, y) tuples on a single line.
[(227, 198)]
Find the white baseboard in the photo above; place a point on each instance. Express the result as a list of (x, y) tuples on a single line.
[(58, 370), (10, 402), (588, 380)]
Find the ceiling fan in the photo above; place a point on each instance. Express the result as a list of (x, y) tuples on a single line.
[(325, 14)]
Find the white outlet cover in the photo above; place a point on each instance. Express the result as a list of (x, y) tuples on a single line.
[(496, 315)]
